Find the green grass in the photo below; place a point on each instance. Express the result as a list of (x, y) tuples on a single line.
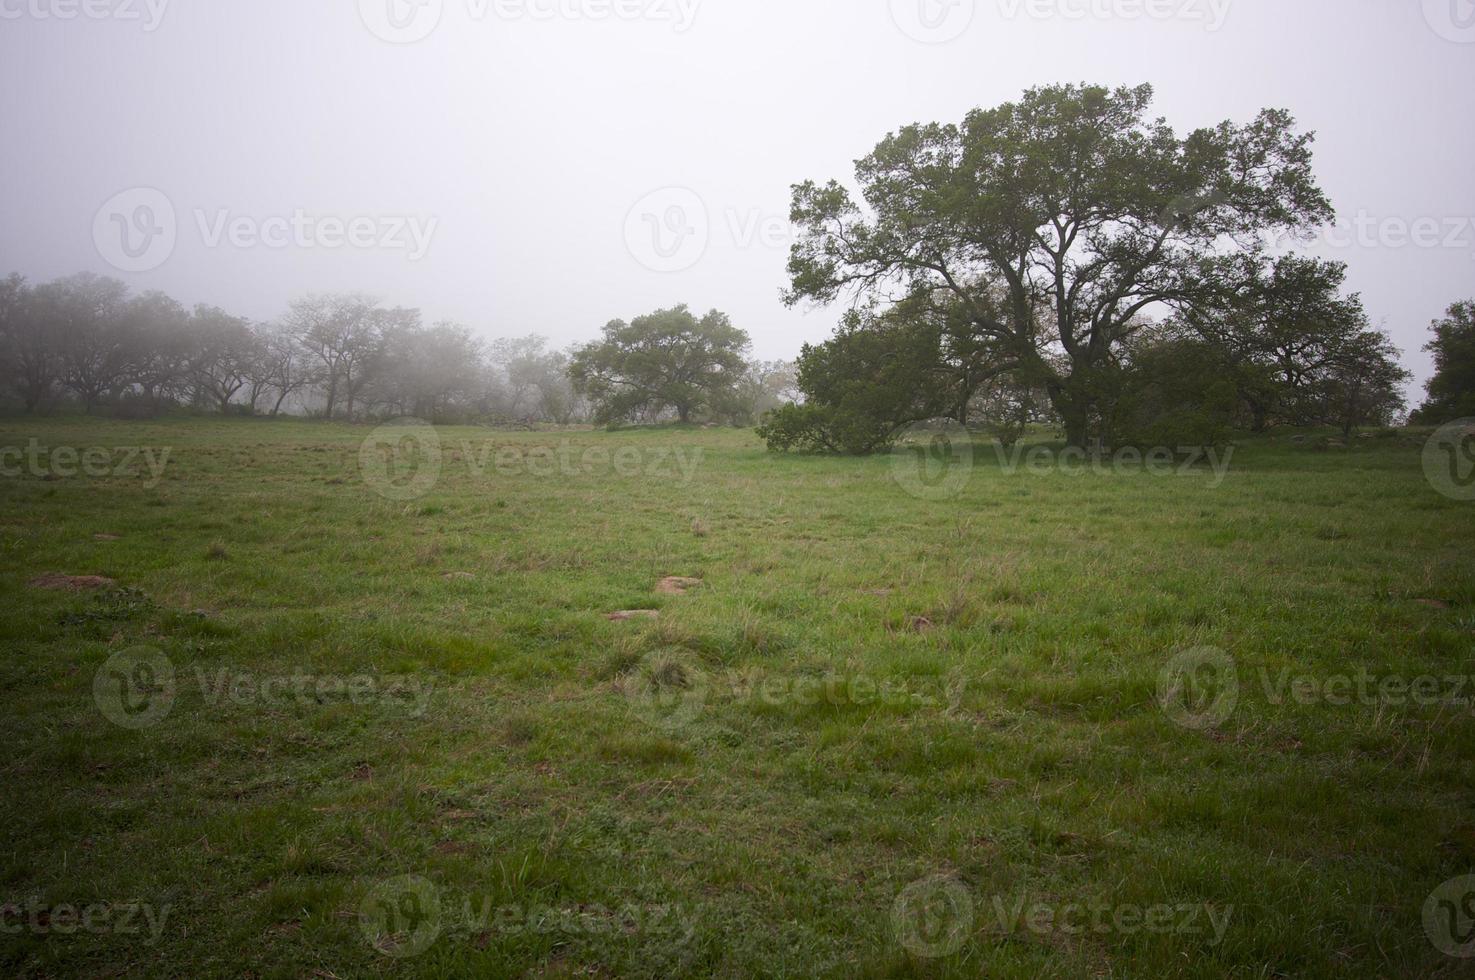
[(869, 690)]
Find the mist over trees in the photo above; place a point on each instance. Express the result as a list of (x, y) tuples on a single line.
[(85, 341)]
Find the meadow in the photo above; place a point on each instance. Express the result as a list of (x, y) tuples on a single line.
[(1047, 721)]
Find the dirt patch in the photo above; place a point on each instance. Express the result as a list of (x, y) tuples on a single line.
[(921, 624), (879, 593), (105, 537), (459, 577), (1432, 603), (454, 847), (629, 614), (72, 583), (676, 585)]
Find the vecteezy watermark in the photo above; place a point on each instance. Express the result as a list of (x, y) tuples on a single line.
[(90, 918), (403, 917), (1453, 20), (137, 689), (97, 462), (148, 13), (1369, 690), (669, 690), (669, 230), (1198, 689), (932, 460), (1048, 918), (408, 21), (933, 21), (935, 460), (1157, 461), (1449, 460), (403, 460), (1366, 230), (400, 692), (933, 918), (1449, 918), (1210, 13), (137, 230)]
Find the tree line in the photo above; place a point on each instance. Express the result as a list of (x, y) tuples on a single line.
[(87, 341)]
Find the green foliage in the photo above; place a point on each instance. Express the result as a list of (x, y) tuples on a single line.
[(1452, 389), (1073, 209), (1174, 391), (874, 376), (665, 361)]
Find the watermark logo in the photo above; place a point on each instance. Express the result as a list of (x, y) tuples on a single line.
[(1199, 688), (932, 460), (401, 460), (1453, 20), (401, 21), (135, 688), (1449, 460), (149, 12), (668, 689), (668, 230), (135, 230), (401, 917), (1180, 215), (1449, 918), (933, 21), (933, 917)]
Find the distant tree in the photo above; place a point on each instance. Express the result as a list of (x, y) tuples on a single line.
[(1087, 213), (344, 333), (28, 353), (1452, 389), (229, 352), (98, 346), (665, 360), (1361, 382), (164, 373)]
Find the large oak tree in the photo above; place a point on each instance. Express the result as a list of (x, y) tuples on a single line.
[(1083, 212)]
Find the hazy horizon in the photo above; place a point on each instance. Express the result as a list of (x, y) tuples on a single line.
[(562, 163)]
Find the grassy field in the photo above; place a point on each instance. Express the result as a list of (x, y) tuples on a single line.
[(325, 726)]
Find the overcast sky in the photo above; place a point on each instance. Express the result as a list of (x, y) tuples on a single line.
[(548, 165)]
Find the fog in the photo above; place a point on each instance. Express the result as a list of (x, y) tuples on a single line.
[(547, 166)]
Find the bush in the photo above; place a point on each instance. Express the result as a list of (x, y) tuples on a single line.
[(816, 429)]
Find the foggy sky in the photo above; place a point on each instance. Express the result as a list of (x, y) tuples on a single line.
[(538, 147)]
